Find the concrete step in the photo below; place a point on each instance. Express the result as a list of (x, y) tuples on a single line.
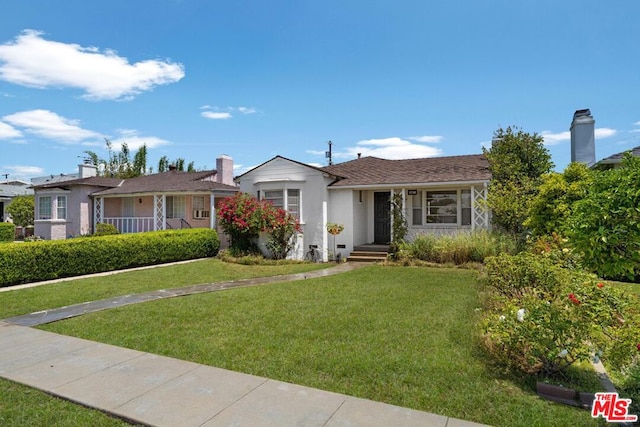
[(367, 256)]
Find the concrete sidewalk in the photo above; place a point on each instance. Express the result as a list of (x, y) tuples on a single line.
[(161, 391)]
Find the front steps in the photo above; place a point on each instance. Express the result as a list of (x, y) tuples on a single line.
[(369, 253)]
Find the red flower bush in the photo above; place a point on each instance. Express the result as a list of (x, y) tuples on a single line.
[(243, 218)]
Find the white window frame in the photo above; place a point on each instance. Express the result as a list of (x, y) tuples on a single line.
[(176, 207), (283, 200), (424, 209), (200, 208), (49, 204), (61, 207)]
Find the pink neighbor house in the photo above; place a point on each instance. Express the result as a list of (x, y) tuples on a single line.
[(167, 200)]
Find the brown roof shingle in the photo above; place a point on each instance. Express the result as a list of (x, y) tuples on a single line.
[(431, 170), (172, 181)]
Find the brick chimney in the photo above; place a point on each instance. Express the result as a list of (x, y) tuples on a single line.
[(583, 139), (224, 170)]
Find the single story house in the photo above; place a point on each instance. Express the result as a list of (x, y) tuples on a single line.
[(173, 199), (10, 189), (439, 195)]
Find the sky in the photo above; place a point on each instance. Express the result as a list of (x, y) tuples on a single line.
[(253, 79)]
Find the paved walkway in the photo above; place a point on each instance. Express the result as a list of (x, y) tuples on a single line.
[(161, 391)]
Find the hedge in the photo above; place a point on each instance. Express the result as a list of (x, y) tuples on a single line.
[(46, 260), (7, 232)]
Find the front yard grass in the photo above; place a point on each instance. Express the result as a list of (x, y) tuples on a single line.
[(24, 406), (29, 300), (404, 336)]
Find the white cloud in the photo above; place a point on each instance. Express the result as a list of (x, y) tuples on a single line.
[(224, 113), (8, 131), (432, 139), (32, 61), (389, 148), (247, 110), (134, 141), (637, 123), (605, 132), (557, 138), (21, 172), (50, 125), (216, 115)]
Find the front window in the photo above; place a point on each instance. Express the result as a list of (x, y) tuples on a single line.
[(199, 208), (62, 207), (275, 197), (442, 207), (176, 206), (293, 203), (416, 214), (288, 199), (44, 207)]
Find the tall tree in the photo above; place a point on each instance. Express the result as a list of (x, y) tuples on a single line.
[(163, 164), (517, 161), (119, 165)]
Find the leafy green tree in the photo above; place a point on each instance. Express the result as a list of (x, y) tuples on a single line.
[(552, 208), (163, 164), (120, 165), (605, 225), (21, 210), (517, 161)]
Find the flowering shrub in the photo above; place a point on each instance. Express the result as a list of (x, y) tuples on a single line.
[(243, 218), (541, 317), (334, 229), (281, 226)]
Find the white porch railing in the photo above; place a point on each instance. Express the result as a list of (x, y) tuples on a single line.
[(131, 224)]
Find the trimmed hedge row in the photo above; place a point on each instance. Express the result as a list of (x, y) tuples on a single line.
[(7, 232), (45, 260)]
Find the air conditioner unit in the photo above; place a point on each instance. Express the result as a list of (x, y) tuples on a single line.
[(200, 214)]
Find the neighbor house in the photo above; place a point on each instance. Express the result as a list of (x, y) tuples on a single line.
[(9, 190), (168, 200), (438, 195)]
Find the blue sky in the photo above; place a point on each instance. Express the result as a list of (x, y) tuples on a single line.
[(254, 79)]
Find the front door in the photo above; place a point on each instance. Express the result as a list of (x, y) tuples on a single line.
[(382, 217)]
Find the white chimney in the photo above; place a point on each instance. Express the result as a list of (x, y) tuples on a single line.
[(224, 170), (583, 139), (86, 170)]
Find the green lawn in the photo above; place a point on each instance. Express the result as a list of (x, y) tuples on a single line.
[(25, 406), (399, 335), (76, 291)]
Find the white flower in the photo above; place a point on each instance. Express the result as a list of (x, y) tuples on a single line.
[(563, 354), (502, 318), (520, 315)]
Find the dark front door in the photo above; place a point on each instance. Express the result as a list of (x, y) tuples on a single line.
[(382, 217), (1, 211)]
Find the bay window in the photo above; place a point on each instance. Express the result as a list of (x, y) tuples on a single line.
[(287, 199)]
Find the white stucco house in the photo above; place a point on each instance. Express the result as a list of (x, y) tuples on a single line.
[(439, 195)]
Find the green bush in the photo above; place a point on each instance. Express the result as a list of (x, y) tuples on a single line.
[(44, 260), (103, 229), (459, 248), (541, 318), (7, 232), (605, 225)]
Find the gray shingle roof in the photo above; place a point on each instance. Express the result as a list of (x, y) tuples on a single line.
[(431, 170), (617, 158)]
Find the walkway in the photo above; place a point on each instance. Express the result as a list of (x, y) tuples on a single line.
[(161, 391)]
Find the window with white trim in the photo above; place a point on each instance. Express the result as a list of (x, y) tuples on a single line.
[(200, 210), (287, 199), (175, 206), (416, 210), (442, 207), (44, 207), (61, 207)]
